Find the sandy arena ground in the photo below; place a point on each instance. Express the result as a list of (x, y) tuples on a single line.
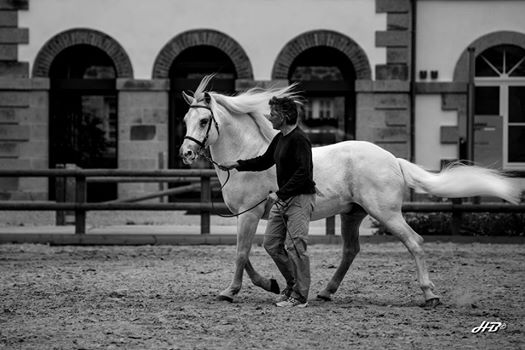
[(163, 297)]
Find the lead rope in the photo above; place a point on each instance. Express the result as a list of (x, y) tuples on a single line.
[(225, 182)]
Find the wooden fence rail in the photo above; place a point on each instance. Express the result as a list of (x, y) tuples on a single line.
[(205, 206)]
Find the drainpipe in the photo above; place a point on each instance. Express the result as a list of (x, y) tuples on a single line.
[(413, 10), (412, 119)]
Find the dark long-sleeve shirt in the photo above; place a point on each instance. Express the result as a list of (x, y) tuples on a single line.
[(292, 155)]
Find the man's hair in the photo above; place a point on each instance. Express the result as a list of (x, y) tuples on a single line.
[(287, 107)]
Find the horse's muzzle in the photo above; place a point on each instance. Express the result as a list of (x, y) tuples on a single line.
[(187, 154)]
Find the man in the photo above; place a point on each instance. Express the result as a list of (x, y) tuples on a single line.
[(285, 238)]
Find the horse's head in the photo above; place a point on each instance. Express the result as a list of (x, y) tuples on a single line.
[(202, 128)]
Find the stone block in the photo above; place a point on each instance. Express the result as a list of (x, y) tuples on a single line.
[(155, 116), (8, 183), (9, 18), (392, 72), (454, 102), (449, 134), (14, 69), (391, 134), (14, 99), (398, 21), (9, 149), (39, 132), (138, 164), (8, 116), (15, 84), (9, 164), (14, 35), (8, 52), (32, 184), (142, 132), (398, 149), (14, 132), (396, 117), (39, 99), (397, 38), (143, 85), (391, 101), (246, 84), (33, 149), (441, 88), (397, 55), (14, 4), (392, 6)]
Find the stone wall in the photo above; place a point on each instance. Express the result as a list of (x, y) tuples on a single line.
[(143, 129)]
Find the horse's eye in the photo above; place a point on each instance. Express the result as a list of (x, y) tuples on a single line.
[(203, 122)]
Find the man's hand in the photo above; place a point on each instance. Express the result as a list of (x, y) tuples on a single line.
[(228, 165), (273, 198)]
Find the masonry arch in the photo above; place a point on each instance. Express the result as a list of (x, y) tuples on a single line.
[(82, 36), (202, 37), (326, 65)]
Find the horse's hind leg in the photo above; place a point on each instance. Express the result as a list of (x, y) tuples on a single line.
[(397, 225), (350, 223)]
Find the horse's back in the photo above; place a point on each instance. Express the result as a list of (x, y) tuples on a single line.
[(350, 171)]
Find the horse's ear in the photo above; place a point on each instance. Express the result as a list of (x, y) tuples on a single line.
[(187, 98), (207, 98)]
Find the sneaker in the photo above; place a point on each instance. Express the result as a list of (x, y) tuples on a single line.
[(292, 302), (285, 294)]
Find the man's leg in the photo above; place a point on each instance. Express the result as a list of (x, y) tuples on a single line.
[(274, 237), (298, 222)]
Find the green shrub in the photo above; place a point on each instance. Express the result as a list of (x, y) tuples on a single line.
[(472, 224)]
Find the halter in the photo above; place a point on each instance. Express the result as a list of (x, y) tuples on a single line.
[(202, 144)]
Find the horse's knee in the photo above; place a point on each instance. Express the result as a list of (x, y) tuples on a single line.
[(242, 258), (352, 250)]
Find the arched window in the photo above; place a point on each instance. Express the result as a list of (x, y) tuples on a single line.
[(83, 114), (326, 76), (500, 106), (186, 72)]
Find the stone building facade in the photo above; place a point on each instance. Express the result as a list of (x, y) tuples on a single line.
[(383, 89)]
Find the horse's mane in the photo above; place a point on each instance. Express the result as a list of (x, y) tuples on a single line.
[(253, 102)]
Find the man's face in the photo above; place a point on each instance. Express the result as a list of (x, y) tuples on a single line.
[(276, 118)]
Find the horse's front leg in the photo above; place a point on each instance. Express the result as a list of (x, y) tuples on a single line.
[(268, 284), (246, 227)]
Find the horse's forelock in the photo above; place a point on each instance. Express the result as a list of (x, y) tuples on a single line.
[(199, 93)]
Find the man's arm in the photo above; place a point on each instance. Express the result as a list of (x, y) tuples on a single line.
[(263, 162)]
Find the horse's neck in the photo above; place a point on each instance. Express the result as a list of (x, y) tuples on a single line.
[(239, 139)]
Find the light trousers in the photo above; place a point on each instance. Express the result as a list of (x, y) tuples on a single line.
[(286, 240)]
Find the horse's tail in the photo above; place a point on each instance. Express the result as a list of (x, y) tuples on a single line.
[(460, 180)]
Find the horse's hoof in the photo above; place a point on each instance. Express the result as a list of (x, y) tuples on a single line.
[(224, 298), (431, 303), (323, 298), (274, 287)]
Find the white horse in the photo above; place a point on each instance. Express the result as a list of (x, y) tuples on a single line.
[(354, 178)]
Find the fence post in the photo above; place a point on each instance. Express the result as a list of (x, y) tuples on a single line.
[(457, 218), (205, 198), (330, 226), (162, 166), (80, 214), (60, 197)]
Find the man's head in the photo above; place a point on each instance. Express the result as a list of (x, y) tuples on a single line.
[(285, 108)]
